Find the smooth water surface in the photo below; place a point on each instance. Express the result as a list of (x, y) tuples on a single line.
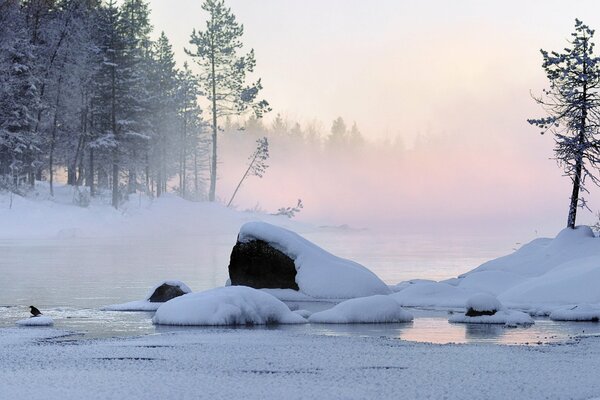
[(70, 279)]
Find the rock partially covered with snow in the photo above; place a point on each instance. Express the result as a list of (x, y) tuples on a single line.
[(319, 274), (504, 317), (580, 312), (482, 304), (365, 310), (232, 305), (40, 320), (167, 290), (160, 293), (484, 308)]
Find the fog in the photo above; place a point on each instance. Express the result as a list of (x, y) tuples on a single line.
[(441, 92)]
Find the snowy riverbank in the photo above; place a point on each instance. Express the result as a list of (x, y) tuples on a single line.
[(258, 364), (39, 216)]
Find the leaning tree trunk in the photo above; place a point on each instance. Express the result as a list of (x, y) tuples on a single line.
[(579, 161)]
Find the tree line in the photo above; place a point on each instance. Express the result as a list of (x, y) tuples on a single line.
[(84, 87)]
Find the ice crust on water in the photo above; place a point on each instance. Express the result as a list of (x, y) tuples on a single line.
[(231, 305), (364, 310), (41, 320), (146, 305), (319, 274)]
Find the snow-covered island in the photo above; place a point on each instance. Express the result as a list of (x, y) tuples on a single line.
[(541, 276)]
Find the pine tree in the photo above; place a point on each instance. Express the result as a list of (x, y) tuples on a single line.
[(573, 107), (224, 72)]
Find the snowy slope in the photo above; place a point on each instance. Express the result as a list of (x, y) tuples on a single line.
[(543, 274)]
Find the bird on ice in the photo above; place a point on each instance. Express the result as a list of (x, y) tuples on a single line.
[(34, 311)]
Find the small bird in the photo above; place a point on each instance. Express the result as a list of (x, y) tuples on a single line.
[(34, 311)]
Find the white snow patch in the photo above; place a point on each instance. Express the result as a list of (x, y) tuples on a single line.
[(432, 294), (484, 302), (232, 305), (580, 312), (41, 320), (319, 274), (540, 276), (364, 310)]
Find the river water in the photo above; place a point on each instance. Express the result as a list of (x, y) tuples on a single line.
[(70, 279)]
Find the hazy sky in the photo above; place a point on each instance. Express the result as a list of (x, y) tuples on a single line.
[(458, 70)]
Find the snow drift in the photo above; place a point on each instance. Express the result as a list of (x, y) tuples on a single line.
[(543, 274), (232, 305), (319, 274), (364, 310)]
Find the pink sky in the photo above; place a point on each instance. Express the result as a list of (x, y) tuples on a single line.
[(457, 73)]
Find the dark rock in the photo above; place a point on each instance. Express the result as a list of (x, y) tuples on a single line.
[(165, 292), (259, 265), (474, 313)]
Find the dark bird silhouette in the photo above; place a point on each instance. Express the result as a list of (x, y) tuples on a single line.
[(34, 311)]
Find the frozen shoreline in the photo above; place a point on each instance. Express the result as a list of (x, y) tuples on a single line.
[(255, 364)]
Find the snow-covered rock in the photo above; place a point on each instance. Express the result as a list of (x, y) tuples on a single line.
[(40, 320), (364, 310), (232, 305), (580, 312), (482, 304), (505, 317), (161, 292), (319, 274)]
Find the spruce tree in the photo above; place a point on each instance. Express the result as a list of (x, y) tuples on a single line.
[(572, 105)]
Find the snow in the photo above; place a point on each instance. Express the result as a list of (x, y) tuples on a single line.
[(146, 304), (580, 312), (365, 310), (231, 305), (319, 274), (542, 275), (505, 317), (217, 363), (432, 294), (36, 321), (483, 302), (40, 216)]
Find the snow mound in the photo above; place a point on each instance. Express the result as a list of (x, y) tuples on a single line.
[(432, 294), (580, 312), (41, 320), (364, 310), (319, 274), (541, 275), (232, 305), (146, 304), (303, 313), (505, 317), (484, 302)]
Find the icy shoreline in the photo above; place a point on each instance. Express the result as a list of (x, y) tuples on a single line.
[(255, 364)]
